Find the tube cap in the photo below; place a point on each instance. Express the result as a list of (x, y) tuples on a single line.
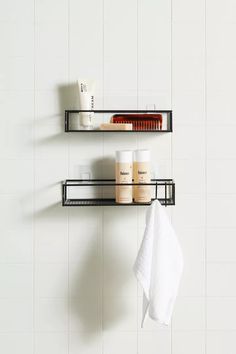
[(142, 155), (124, 156)]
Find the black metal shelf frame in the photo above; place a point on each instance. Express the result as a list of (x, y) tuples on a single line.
[(162, 189), (69, 113)]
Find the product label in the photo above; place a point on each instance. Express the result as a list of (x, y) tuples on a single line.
[(124, 175), (142, 194)]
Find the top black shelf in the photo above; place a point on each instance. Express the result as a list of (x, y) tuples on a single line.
[(72, 114)]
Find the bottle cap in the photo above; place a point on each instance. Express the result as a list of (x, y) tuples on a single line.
[(142, 155), (124, 156)]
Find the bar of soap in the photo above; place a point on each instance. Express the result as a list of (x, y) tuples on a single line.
[(116, 126)]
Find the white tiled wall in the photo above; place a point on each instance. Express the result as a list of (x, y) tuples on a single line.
[(66, 282)]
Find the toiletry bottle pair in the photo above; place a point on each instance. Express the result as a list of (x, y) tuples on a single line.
[(129, 168)]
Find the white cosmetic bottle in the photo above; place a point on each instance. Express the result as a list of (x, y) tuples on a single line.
[(86, 101), (124, 167), (142, 193)]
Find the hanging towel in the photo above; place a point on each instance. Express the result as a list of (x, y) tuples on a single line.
[(158, 266)]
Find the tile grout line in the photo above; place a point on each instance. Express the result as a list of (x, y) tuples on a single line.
[(171, 139), (137, 146), (102, 224), (34, 189), (68, 172), (206, 194)]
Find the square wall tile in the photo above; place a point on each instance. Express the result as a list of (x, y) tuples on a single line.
[(158, 343), (82, 219), (16, 140), (189, 314), (51, 40), (51, 72), (193, 278), (85, 278), (16, 315), (120, 342), (119, 220), (219, 143), (16, 12), (12, 343), (119, 313), (51, 11), (184, 102), (51, 280), (50, 142), (85, 246), (17, 177), (86, 314), (50, 106), (220, 211), (17, 211), (221, 245), (189, 176), (160, 98), (115, 142), (194, 142), (51, 245), (16, 245), (222, 14), (220, 279), (189, 211), (22, 110), (159, 146), (221, 342), (222, 111), (188, 37), (192, 242), (51, 315), (221, 312), (17, 73), (218, 73), (48, 175), (16, 281), (51, 343), (188, 342), (88, 146), (188, 11), (188, 72), (220, 176), (85, 342)]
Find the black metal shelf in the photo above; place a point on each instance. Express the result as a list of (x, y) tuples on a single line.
[(69, 117), (101, 192)]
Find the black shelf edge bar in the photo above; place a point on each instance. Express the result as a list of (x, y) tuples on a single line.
[(70, 112), (101, 192)]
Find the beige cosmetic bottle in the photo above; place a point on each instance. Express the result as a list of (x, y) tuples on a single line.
[(124, 172), (142, 193)]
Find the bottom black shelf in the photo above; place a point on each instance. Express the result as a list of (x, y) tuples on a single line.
[(107, 202), (102, 192)]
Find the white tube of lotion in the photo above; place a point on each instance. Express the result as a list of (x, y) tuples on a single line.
[(86, 101)]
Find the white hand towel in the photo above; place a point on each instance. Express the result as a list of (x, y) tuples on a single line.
[(159, 265)]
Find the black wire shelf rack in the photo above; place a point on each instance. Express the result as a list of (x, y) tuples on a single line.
[(72, 117), (101, 192)]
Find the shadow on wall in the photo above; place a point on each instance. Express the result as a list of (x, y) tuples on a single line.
[(97, 277), (67, 98), (99, 267)]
